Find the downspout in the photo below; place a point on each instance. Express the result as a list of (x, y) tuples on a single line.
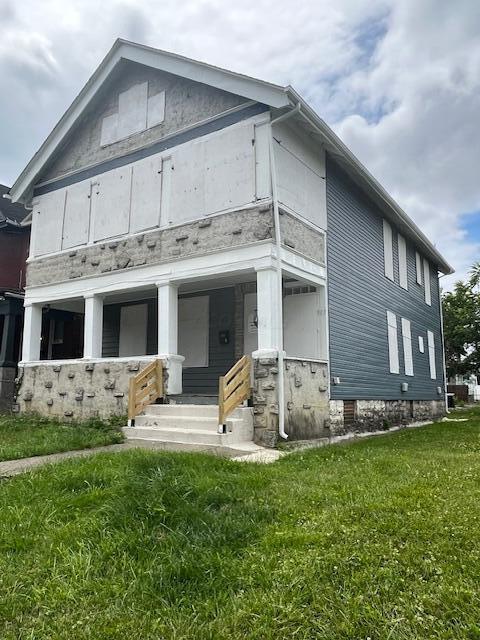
[(440, 304), (278, 246)]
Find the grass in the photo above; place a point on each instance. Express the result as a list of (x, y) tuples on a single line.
[(375, 539), (31, 435)]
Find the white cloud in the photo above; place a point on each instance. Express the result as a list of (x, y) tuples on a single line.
[(398, 79)]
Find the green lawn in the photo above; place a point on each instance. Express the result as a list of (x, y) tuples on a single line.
[(30, 435), (376, 539)]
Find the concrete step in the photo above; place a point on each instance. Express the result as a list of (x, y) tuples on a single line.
[(174, 421), (196, 399), (177, 410), (186, 436)]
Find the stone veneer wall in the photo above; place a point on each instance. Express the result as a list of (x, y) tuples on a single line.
[(201, 237), (306, 400), (77, 390), (7, 387), (378, 415)]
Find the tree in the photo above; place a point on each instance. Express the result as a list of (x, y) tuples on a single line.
[(461, 323)]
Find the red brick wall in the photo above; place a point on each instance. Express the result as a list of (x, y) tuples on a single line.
[(13, 254)]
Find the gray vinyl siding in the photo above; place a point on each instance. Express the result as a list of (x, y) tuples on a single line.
[(359, 295)]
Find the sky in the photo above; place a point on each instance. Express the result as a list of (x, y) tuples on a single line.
[(398, 80)]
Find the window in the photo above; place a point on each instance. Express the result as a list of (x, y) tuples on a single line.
[(421, 346), (388, 249), (402, 261), (426, 274), (431, 355), (418, 267), (392, 342), (407, 347)]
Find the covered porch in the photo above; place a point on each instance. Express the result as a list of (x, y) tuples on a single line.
[(198, 325)]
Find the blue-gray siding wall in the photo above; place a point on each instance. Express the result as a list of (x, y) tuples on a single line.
[(359, 295)]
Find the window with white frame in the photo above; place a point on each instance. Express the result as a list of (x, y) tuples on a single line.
[(388, 249), (392, 342), (402, 262), (407, 347), (421, 345), (431, 355), (418, 267), (426, 275)]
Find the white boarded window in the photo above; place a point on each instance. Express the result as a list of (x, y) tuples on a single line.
[(402, 262), (392, 342), (388, 249), (421, 345), (431, 355), (418, 267), (426, 274), (407, 347), (193, 330)]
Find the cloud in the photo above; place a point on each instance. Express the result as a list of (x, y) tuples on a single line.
[(397, 79)]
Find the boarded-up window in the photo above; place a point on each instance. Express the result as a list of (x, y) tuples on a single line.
[(146, 194), (421, 345), (407, 347), (388, 249), (418, 267), (133, 330), (402, 262), (431, 355), (426, 272), (304, 326), (77, 215), (111, 203), (392, 343), (47, 222)]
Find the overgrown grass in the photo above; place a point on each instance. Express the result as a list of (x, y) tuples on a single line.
[(376, 539), (31, 435)]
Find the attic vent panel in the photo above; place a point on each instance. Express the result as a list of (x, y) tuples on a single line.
[(136, 112)]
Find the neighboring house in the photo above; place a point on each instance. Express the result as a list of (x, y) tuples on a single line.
[(185, 212), (13, 254)]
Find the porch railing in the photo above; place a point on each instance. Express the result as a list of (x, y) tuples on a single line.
[(145, 388), (233, 388)]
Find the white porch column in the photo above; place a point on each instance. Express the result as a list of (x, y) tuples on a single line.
[(93, 326), (270, 329), (168, 335), (32, 332)]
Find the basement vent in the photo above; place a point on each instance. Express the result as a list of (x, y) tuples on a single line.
[(348, 413), (293, 291)]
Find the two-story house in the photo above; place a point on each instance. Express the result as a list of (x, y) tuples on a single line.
[(13, 255), (190, 215)]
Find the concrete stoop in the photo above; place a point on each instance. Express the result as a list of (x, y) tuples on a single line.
[(191, 424)]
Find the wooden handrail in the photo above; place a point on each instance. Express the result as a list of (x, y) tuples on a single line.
[(233, 388), (145, 388)]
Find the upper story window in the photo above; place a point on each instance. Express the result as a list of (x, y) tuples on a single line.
[(402, 262), (388, 250), (418, 267), (136, 112), (426, 275)]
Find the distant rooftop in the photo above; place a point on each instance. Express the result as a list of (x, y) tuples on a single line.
[(10, 213)]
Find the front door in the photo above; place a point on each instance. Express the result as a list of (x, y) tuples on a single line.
[(206, 338)]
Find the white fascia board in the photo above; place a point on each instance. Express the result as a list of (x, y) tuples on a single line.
[(257, 90)]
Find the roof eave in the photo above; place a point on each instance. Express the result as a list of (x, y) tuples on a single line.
[(369, 183), (251, 88)]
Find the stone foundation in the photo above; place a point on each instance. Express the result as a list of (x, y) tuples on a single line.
[(7, 388), (306, 400), (78, 390), (378, 415)]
